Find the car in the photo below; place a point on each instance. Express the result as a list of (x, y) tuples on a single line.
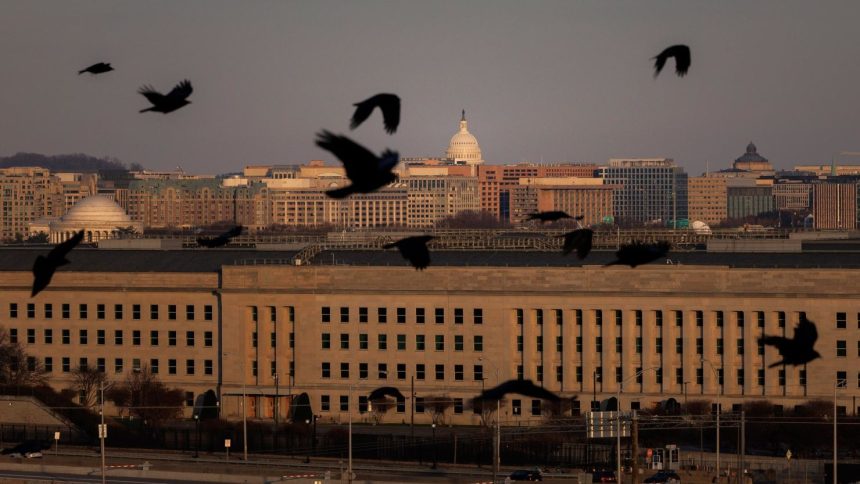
[(603, 476), (30, 449), (665, 477), (524, 475)]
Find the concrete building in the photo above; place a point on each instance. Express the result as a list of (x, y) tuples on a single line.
[(99, 217), (588, 197), (651, 189), (27, 194), (463, 147), (753, 162), (496, 181), (433, 198), (834, 206), (746, 198), (203, 321), (707, 199), (792, 195)]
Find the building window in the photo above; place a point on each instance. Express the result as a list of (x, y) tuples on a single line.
[(658, 318), (344, 370), (326, 369), (189, 312), (362, 341), (419, 342), (440, 372), (458, 406), (478, 316), (171, 366), (207, 339), (559, 344), (382, 341), (700, 376), (362, 315), (362, 371), (760, 377), (49, 364), (49, 311), (679, 376), (189, 399), (619, 345), (539, 373), (67, 311), (700, 346), (419, 404), (66, 364), (344, 403), (82, 336), (82, 311), (153, 338), (401, 371), (458, 315), (13, 310), (780, 316), (419, 315), (479, 343), (382, 371), (401, 315), (579, 344), (419, 371), (598, 316), (31, 310), (679, 346), (841, 320), (759, 318), (478, 372), (520, 317), (578, 374), (440, 342), (100, 311), (679, 318), (382, 315), (171, 312), (842, 379), (841, 348), (344, 341), (578, 314), (153, 366), (700, 318), (440, 315), (325, 314), (719, 346), (458, 372), (67, 337), (135, 311), (658, 346), (207, 312), (740, 376), (598, 344), (344, 314), (49, 336), (153, 312), (559, 374), (189, 367), (31, 336), (516, 407), (740, 318), (189, 338), (638, 345), (100, 336), (536, 410), (539, 344)]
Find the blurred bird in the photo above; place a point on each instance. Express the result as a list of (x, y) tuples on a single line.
[(220, 240), (383, 392), (579, 239), (389, 104), (174, 100), (97, 68), (638, 253), (799, 350), (366, 171), (681, 53), (552, 216), (414, 249), (44, 267), (518, 387)]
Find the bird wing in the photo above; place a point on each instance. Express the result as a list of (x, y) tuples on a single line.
[(580, 239), (783, 345), (805, 333), (682, 59), (659, 62), (383, 392), (363, 110), (151, 95), (59, 252), (204, 242), (43, 270), (357, 160), (390, 106), (181, 91), (415, 250), (234, 232), (519, 387)]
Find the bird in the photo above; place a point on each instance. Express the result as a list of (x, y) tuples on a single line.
[(520, 387), (174, 100), (414, 249), (552, 216), (366, 171), (579, 239), (97, 68), (798, 350), (680, 52), (383, 392), (389, 104), (44, 267), (221, 240), (638, 253)]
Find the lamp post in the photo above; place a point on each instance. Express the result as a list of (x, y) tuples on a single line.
[(349, 413), (434, 444), (497, 441), (618, 420), (719, 410), (308, 423), (277, 401), (197, 431), (840, 383)]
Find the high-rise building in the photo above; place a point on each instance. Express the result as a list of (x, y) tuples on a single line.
[(588, 197), (27, 194), (651, 189), (834, 206), (433, 198), (496, 181), (706, 199), (792, 195), (747, 198)]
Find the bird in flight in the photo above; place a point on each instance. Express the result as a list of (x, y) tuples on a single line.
[(519, 387), (638, 253), (383, 392), (174, 100), (798, 350), (221, 240), (366, 171), (44, 267), (389, 104), (97, 68), (552, 216), (579, 239), (414, 249), (680, 52)]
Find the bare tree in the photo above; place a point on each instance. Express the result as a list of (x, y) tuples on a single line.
[(487, 410), (16, 367), (378, 408), (147, 397), (437, 405), (88, 383)]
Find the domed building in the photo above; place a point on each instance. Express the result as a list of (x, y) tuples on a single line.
[(753, 162), (464, 147), (99, 217)]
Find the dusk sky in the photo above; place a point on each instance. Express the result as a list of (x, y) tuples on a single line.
[(540, 80)]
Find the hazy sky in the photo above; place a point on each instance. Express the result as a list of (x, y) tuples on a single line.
[(551, 80)]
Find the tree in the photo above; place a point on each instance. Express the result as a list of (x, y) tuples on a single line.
[(88, 383), (487, 409), (472, 220), (437, 405), (147, 398), (378, 408), (40, 238), (16, 367)]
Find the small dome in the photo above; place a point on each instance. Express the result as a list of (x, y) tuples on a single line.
[(751, 156), (751, 149), (464, 146), (96, 209)]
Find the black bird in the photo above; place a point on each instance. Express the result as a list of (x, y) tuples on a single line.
[(681, 53), (519, 387), (174, 100), (638, 253), (552, 216), (389, 104), (383, 392), (366, 171), (222, 239), (798, 350), (44, 267), (414, 249), (579, 239), (97, 68)]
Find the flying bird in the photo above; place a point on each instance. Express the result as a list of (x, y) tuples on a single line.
[(383, 392), (798, 350), (174, 100), (638, 253), (389, 104), (44, 267), (520, 387), (221, 240), (97, 68), (681, 53), (579, 239), (414, 249), (552, 216), (366, 171)]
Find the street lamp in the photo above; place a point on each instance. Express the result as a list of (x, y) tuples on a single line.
[(197, 430), (840, 383), (719, 410), (277, 399), (618, 420), (497, 444), (434, 445), (308, 423)]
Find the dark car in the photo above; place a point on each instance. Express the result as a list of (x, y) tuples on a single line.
[(603, 476), (665, 478), (28, 449), (522, 475)]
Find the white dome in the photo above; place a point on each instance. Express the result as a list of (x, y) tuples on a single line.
[(96, 209), (464, 146)]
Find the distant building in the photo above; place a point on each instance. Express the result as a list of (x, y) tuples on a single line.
[(651, 189), (588, 197), (433, 198), (792, 195), (99, 217), (28, 194), (838, 170), (463, 147), (834, 206), (753, 162), (706, 199), (747, 198)]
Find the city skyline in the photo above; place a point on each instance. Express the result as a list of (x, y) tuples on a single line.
[(548, 81)]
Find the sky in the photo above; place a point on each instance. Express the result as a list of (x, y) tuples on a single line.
[(558, 81)]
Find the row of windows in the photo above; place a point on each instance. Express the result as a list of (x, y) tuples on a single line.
[(400, 315), (101, 311), (424, 405), (101, 337), (420, 342), (118, 365)]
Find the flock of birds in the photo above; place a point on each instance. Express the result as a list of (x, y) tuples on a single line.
[(369, 172)]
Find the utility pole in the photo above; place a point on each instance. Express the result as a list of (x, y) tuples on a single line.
[(412, 416), (349, 412), (634, 451), (743, 445), (244, 421), (102, 427)]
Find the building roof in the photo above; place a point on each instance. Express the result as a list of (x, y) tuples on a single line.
[(463, 145), (96, 209), (751, 155)]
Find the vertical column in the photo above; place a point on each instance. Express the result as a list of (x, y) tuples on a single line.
[(551, 357), (590, 358), (528, 333), (569, 358)]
